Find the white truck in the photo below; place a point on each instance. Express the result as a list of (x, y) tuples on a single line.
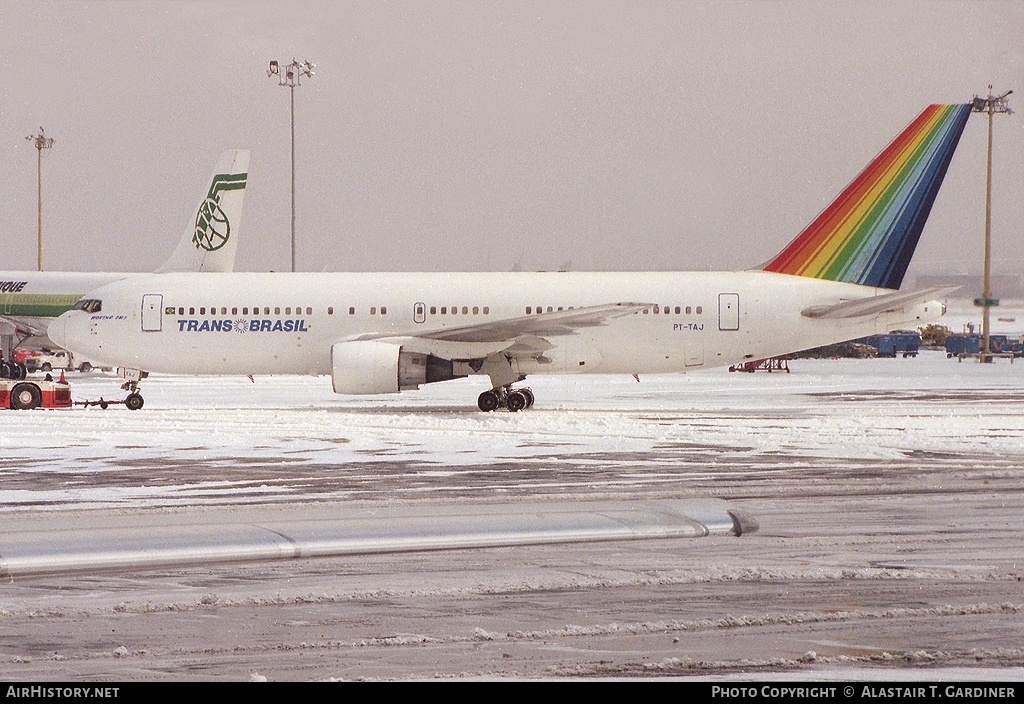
[(49, 360)]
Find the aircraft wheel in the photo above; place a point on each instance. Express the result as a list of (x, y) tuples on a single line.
[(529, 397), (22, 371), (85, 368), (6, 371), (134, 402), (47, 367), (487, 401), (25, 397), (516, 401)]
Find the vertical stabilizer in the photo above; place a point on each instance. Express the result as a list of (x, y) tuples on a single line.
[(868, 234), (212, 239)]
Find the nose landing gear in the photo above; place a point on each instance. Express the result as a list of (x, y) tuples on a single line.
[(513, 399), (134, 400)]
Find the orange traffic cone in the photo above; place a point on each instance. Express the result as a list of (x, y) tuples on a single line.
[(62, 380)]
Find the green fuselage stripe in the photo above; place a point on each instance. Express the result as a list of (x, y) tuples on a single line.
[(37, 305)]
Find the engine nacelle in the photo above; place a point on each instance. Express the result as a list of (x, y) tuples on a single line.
[(370, 367)]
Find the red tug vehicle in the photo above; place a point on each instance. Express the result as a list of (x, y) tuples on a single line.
[(34, 393)]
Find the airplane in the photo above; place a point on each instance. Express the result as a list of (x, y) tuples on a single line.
[(31, 300), (377, 333)]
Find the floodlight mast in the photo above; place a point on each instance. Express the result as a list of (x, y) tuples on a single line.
[(992, 105), (290, 76), (40, 142)]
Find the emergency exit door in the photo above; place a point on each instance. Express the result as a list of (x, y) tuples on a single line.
[(152, 312), (728, 311)]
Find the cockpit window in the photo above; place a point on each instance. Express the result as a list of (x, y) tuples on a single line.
[(89, 305)]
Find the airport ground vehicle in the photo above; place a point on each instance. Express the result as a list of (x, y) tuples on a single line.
[(966, 344), (26, 395), (895, 343), (49, 360)]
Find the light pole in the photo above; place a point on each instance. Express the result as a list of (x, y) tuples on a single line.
[(291, 77), (991, 105), (41, 142)]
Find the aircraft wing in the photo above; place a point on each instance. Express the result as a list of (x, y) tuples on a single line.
[(522, 336), (873, 305), (24, 327)]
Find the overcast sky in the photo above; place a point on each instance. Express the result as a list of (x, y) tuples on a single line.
[(492, 135)]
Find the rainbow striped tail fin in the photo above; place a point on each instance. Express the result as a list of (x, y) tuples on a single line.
[(868, 234)]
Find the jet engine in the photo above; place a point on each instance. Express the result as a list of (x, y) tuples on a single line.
[(371, 367)]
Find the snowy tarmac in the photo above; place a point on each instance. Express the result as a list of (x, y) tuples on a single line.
[(888, 494)]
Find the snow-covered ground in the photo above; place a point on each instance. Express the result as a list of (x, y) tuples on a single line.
[(290, 438), (888, 493)]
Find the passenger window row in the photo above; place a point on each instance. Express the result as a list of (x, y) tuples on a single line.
[(454, 310), (277, 310), (94, 306), (245, 310), (678, 310), (663, 310)]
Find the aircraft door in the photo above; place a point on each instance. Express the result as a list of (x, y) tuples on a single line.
[(152, 312), (419, 313), (728, 311)]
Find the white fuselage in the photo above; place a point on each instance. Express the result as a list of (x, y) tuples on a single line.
[(280, 323)]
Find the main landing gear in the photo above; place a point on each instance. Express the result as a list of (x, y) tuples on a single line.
[(13, 371), (512, 399)]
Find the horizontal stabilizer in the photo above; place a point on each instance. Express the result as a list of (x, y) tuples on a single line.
[(873, 305)]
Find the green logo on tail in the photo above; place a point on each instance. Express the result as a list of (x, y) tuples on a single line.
[(213, 229)]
